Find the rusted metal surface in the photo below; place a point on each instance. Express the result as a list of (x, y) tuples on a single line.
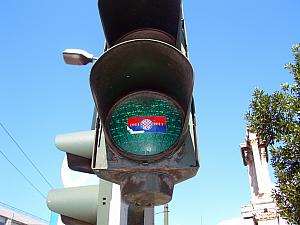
[(174, 169), (146, 189), (148, 34)]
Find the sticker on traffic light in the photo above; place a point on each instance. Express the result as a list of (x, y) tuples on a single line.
[(147, 124)]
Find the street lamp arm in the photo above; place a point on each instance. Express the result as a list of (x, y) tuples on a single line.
[(78, 57)]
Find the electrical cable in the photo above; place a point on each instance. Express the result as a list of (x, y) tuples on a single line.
[(19, 147), (24, 176)]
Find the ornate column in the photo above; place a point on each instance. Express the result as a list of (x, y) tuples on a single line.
[(262, 209)]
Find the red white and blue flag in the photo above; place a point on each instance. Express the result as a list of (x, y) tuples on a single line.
[(147, 124)]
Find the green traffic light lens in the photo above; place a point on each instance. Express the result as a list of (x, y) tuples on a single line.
[(145, 124)]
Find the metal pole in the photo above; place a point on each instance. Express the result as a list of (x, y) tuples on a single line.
[(105, 189), (166, 214), (135, 215), (149, 216)]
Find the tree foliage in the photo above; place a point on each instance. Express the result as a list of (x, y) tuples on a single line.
[(276, 119)]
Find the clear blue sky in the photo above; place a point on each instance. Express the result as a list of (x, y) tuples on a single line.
[(234, 46)]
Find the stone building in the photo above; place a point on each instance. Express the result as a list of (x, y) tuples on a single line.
[(262, 209)]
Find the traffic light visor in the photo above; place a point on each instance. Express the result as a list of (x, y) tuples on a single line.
[(122, 17), (133, 78)]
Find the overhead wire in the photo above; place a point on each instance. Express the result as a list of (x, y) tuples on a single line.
[(29, 160), (27, 179)]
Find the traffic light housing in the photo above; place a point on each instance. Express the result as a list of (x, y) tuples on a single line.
[(142, 88), (77, 205), (141, 77), (84, 205), (79, 149)]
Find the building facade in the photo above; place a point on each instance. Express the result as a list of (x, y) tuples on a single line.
[(13, 216)]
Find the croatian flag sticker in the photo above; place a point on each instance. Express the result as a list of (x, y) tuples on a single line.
[(147, 124)]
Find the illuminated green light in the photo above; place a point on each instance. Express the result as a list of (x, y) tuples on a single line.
[(145, 124)]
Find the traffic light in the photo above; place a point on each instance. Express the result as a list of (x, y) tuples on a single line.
[(85, 205), (145, 132), (79, 149), (142, 88)]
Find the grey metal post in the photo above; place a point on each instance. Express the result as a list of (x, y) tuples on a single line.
[(149, 216), (135, 215)]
